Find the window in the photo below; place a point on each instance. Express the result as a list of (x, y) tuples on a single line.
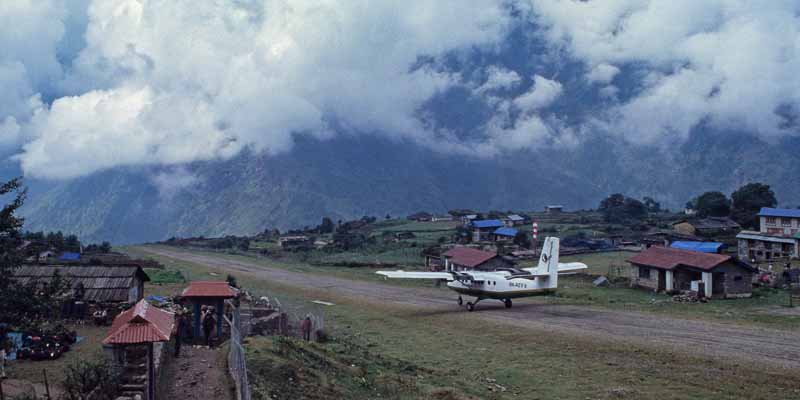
[(770, 220), (737, 278), (786, 222), (644, 273)]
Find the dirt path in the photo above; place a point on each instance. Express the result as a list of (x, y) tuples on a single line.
[(748, 344), (199, 373)]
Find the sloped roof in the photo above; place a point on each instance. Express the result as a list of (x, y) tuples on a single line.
[(515, 217), (102, 283), (488, 223), (779, 212), (669, 258), (468, 257), (506, 231), (712, 223), (209, 289), (69, 256), (144, 323), (753, 235), (703, 247)]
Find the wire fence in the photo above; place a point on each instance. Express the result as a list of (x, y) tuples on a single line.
[(237, 364)]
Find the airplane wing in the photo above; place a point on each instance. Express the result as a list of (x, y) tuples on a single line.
[(417, 275), (562, 268)]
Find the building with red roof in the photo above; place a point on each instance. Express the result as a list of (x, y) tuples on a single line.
[(467, 258), (208, 293), (131, 339), (144, 323), (670, 269)]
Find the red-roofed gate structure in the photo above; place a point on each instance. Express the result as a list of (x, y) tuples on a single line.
[(132, 337)]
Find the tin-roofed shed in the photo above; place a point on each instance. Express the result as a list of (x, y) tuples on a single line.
[(101, 283)]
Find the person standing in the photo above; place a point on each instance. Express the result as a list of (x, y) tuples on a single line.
[(305, 328), (180, 331), (208, 325)]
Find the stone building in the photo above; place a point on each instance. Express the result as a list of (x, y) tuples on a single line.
[(778, 237), (668, 270)]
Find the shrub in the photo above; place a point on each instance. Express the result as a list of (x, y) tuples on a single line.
[(98, 378)]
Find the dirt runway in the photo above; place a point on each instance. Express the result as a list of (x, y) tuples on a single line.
[(732, 342)]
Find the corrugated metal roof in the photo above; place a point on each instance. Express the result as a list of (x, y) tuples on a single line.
[(69, 256), (779, 212), (101, 283), (209, 289), (143, 323), (468, 257), (506, 232), (751, 235), (488, 223), (668, 258), (515, 217), (703, 247)]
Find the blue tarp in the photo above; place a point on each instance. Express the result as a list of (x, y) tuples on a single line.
[(488, 223), (703, 247), (67, 256), (506, 232)]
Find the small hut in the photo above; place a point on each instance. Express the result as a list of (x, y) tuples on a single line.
[(132, 338), (208, 293)]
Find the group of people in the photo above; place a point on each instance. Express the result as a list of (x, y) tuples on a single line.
[(183, 326)]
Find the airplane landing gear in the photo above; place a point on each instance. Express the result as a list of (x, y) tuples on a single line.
[(471, 305), (460, 300), (507, 302)]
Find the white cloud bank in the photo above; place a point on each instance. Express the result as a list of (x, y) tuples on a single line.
[(166, 82)]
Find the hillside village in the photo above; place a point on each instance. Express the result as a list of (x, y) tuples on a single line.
[(635, 250)]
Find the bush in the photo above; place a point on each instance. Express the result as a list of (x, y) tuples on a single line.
[(98, 378)]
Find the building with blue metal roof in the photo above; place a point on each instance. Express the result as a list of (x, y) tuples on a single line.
[(69, 256), (703, 247), (505, 231), (779, 212), (483, 230)]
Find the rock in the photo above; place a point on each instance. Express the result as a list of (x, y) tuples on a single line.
[(600, 281)]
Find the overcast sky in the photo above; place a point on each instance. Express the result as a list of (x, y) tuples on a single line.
[(91, 85)]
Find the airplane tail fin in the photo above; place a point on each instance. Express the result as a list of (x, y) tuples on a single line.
[(548, 261)]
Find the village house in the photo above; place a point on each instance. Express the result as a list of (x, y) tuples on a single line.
[(514, 220), (441, 218), (420, 217), (101, 284), (466, 258), (554, 209), (295, 242), (664, 238), (467, 219), (505, 234), (669, 269), (703, 247), (706, 226), (778, 237), (483, 231)]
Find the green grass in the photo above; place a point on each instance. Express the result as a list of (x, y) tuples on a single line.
[(459, 350)]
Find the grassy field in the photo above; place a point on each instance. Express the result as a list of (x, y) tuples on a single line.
[(454, 356)]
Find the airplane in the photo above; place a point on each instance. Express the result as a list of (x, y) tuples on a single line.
[(501, 284)]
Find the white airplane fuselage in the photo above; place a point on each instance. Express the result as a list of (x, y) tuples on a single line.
[(497, 285)]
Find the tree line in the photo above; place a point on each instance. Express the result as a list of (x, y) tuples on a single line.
[(742, 206)]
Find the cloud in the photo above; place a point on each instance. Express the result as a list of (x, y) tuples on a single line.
[(499, 78), (166, 82), (542, 94), (173, 181), (90, 85), (729, 63)]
